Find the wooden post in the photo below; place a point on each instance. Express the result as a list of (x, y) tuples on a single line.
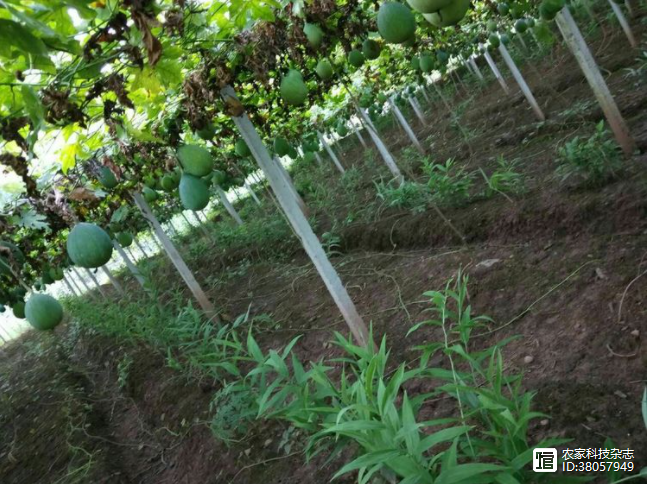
[(201, 226), (623, 23), (589, 67), (476, 69), (252, 193), (385, 154), (175, 257), (173, 228), (70, 288), (496, 71), (417, 111), (131, 267), (521, 41), (139, 246), (186, 221), (131, 254), (359, 136), (75, 284), (425, 93), (113, 280), (296, 218), (406, 127), (395, 121), (96, 282), (520, 80), (291, 186), (228, 206), (76, 273), (332, 155), (155, 240)]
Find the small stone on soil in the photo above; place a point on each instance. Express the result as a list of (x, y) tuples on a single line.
[(635, 333), (620, 394), (528, 359), (545, 422)]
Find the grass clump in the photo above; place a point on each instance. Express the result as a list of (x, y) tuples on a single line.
[(595, 159), (449, 184)]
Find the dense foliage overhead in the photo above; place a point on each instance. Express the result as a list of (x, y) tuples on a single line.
[(99, 100)]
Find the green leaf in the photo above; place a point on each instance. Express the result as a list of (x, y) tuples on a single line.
[(31, 219), (466, 471), (367, 460), (504, 478), (410, 429), (14, 34), (33, 106), (169, 72), (253, 349), (146, 79), (445, 435)]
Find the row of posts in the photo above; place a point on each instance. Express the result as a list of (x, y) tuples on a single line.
[(293, 206)]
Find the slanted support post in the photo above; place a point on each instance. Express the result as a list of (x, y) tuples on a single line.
[(291, 186), (70, 288), (139, 246), (202, 226), (186, 221), (228, 206), (155, 240), (385, 154), (417, 111), (476, 69), (76, 273), (520, 80), (129, 263), (113, 280), (297, 220), (96, 282), (359, 136), (331, 153), (623, 23), (496, 71), (406, 127), (579, 48), (175, 257), (252, 193), (425, 93)]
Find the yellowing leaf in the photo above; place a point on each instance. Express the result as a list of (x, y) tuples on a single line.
[(146, 79), (69, 155)]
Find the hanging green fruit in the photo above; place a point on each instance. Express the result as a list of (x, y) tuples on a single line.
[(107, 178), (195, 160), (356, 58), (324, 70), (396, 23), (194, 194), (371, 49), (449, 15), (313, 34), (426, 63), (428, 6), (281, 146), (89, 245), (241, 148), (292, 88), (43, 312)]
